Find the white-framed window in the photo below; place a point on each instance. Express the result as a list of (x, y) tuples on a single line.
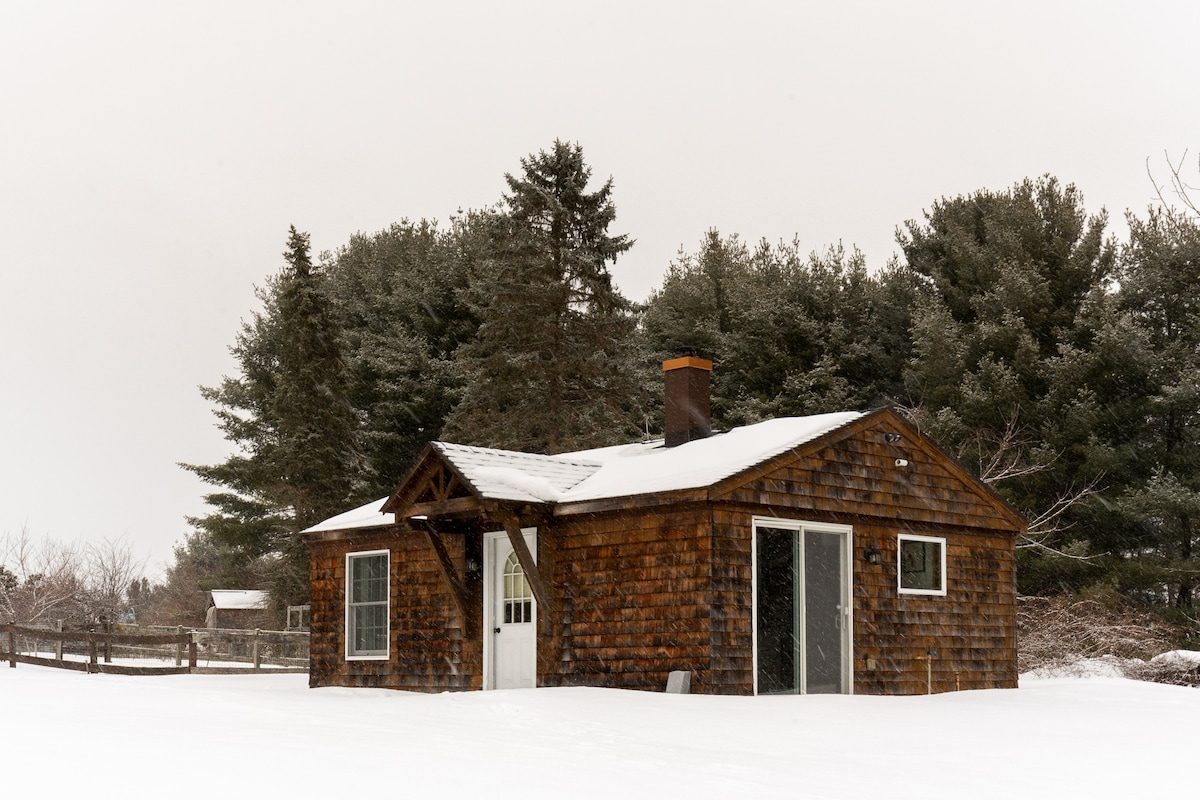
[(367, 604), (922, 564)]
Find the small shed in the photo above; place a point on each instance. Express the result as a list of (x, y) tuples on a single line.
[(243, 609), (837, 553)]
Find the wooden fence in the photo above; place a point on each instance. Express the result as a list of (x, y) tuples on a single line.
[(281, 651), (203, 650)]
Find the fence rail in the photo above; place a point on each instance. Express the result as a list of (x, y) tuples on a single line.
[(150, 651)]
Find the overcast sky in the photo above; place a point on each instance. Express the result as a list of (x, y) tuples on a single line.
[(154, 155)]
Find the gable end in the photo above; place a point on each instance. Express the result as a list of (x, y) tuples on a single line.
[(878, 466), (433, 486)]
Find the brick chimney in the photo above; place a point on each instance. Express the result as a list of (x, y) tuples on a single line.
[(688, 415)]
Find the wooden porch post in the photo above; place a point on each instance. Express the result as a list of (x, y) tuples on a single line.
[(458, 587)]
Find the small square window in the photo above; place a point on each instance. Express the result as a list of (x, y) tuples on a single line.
[(922, 565)]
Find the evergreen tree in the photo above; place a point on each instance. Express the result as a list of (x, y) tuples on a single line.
[(551, 368), (1160, 509), (1095, 399), (247, 514), (317, 455), (399, 298), (789, 334), (1009, 275), (298, 460)]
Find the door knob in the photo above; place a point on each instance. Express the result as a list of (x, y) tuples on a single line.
[(495, 630)]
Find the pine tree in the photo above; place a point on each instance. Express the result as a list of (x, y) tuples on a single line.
[(1160, 509), (298, 460), (790, 334), (248, 515), (551, 368), (1017, 363), (1009, 276), (399, 297), (317, 455)]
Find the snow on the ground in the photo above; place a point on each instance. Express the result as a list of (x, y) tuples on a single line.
[(1106, 666), (1179, 658), (200, 736)]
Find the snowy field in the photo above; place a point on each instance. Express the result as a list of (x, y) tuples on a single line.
[(201, 736)]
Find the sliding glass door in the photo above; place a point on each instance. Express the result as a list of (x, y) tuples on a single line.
[(802, 608)]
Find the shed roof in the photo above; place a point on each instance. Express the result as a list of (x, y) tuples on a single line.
[(633, 469), (239, 598)]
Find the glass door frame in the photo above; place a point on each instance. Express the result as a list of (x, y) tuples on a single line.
[(847, 592)]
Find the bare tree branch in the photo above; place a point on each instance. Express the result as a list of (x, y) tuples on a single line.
[(49, 580), (1046, 524), (1058, 635), (109, 569), (1176, 184), (1002, 456)]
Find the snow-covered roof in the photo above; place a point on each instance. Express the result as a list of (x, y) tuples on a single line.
[(239, 598), (609, 472), (367, 515), (510, 475), (648, 468), (633, 469), (641, 468)]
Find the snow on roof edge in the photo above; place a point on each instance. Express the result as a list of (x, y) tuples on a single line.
[(367, 515)]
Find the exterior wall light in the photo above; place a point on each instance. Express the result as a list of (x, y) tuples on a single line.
[(873, 555)]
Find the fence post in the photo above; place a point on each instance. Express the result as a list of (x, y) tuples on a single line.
[(179, 647), (192, 651), (107, 644), (12, 649), (91, 643), (58, 626), (255, 650)]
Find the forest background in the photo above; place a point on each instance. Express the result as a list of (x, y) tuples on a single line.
[(1060, 365)]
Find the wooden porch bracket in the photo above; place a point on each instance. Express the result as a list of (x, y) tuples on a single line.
[(458, 587), (512, 526)]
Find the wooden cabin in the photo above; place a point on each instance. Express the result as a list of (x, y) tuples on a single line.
[(833, 553)]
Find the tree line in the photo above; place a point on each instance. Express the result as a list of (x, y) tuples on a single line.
[(1059, 364)]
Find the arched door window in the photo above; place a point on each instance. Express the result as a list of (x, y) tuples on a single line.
[(518, 597)]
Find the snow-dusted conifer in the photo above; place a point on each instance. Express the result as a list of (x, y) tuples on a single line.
[(551, 368)]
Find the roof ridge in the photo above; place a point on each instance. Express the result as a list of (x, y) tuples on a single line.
[(560, 458)]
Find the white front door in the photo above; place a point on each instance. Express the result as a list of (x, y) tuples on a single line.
[(510, 614)]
